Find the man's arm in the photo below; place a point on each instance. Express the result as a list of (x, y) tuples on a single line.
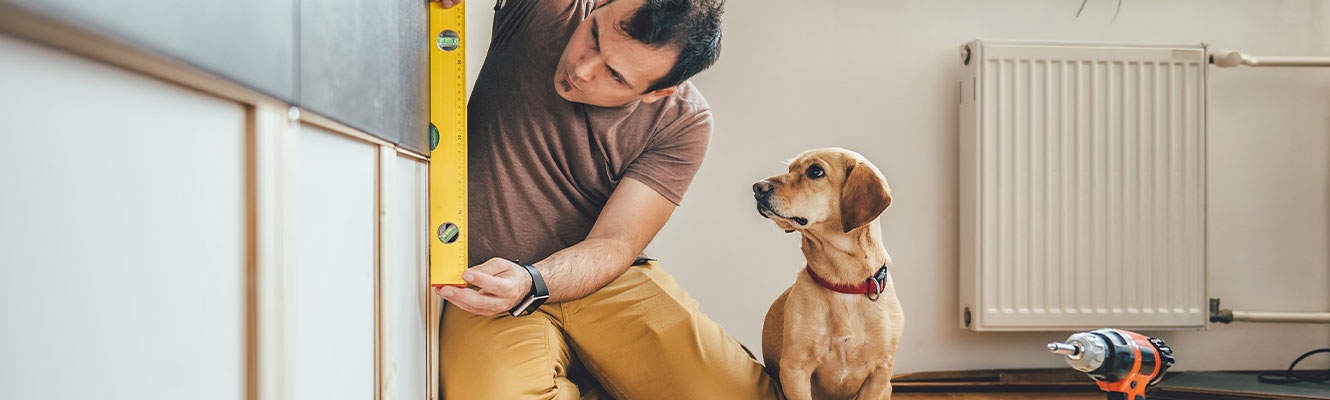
[(631, 218)]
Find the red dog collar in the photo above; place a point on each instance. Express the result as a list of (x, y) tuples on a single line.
[(872, 287)]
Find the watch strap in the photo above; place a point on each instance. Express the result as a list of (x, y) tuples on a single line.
[(538, 288), (535, 297)]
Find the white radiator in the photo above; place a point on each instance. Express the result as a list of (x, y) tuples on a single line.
[(1082, 186)]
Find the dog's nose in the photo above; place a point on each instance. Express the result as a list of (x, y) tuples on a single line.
[(761, 188)]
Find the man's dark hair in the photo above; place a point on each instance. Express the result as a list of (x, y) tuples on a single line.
[(691, 26)]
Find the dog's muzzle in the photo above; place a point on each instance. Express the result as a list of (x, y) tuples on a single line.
[(762, 191)]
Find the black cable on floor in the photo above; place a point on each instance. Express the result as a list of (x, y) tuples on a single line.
[(1291, 376)]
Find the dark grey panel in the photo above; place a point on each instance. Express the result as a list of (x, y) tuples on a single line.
[(251, 42), (364, 63)]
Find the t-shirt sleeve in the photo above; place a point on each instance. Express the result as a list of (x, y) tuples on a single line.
[(668, 166)]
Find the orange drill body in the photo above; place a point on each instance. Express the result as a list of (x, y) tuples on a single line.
[(1123, 363)]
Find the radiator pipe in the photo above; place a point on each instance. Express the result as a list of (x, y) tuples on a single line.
[(1227, 316), (1229, 58)]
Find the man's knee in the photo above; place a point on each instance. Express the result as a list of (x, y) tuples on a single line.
[(501, 357), (647, 339)]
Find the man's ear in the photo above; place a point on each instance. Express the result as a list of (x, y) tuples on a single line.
[(657, 95), (863, 197)]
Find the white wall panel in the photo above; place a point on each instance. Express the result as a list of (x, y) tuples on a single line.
[(334, 272), (408, 295), (122, 234)]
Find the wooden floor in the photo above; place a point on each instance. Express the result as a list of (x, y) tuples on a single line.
[(1011, 384), (1019, 384)]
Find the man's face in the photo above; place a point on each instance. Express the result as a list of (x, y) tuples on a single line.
[(603, 66)]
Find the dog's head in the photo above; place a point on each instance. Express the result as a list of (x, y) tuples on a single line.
[(825, 189)]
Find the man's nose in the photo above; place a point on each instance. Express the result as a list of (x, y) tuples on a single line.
[(762, 188), (586, 69)]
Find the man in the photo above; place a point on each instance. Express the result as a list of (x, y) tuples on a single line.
[(584, 135)]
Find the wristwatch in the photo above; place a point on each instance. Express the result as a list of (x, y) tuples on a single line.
[(539, 293)]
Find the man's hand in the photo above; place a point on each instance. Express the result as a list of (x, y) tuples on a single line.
[(498, 286), (448, 3)]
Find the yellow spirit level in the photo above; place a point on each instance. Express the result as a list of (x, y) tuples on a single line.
[(447, 133)]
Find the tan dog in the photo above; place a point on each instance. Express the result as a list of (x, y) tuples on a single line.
[(825, 344)]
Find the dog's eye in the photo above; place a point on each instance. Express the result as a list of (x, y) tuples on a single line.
[(815, 171)]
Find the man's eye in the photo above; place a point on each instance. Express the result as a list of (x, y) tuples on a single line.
[(815, 171)]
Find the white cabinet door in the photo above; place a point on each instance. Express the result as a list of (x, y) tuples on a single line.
[(334, 272), (407, 296), (122, 234)]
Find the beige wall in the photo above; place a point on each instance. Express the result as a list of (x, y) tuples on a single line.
[(879, 77)]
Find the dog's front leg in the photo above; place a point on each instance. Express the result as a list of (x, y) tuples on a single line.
[(878, 384), (796, 379)]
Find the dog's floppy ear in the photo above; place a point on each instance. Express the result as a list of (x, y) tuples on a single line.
[(863, 196)]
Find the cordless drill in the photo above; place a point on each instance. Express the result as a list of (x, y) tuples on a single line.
[(1122, 362)]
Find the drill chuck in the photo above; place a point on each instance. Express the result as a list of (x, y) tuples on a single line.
[(1085, 351)]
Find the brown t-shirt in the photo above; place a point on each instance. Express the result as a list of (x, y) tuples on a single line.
[(541, 167)]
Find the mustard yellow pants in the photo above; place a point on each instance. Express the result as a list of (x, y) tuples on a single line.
[(640, 337)]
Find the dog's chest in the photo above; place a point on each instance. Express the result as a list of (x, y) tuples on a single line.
[(850, 346), (845, 364)]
